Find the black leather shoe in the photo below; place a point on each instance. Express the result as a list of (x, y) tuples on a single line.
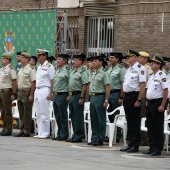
[(69, 140), (26, 135), (91, 143), (148, 152), (125, 149), (97, 143), (155, 154), (132, 150), (61, 139), (76, 141), (168, 149), (55, 138), (2, 132), (19, 134), (6, 134)]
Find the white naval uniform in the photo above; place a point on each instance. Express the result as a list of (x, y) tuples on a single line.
[(44, 75), (156, 84), (133, 77)]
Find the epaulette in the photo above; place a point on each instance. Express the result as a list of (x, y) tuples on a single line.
[(67, 67), (11, 67), (31, 67), (139, 65), (160, 73), (48, 64)]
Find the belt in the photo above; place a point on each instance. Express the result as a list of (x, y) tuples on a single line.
[(74, 93), (2, 90), (130, 93), (154, 100), (42, 87), (23, 89), (60, 93), (97, 94), (114, 91)]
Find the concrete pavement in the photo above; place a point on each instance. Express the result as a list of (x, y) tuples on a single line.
[(46, 154)]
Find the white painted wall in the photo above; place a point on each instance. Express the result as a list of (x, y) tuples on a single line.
[(68, 3)]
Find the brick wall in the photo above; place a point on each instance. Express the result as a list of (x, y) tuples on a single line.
[(142, 31), (26, 4)]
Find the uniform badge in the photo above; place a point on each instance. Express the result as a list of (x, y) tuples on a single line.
[(164, 79), (155, 80), (142, 72)]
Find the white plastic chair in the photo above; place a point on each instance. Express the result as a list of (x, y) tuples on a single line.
[(34, 118), (119, 121), (166, 129), (53, 123), (87, 122), (143, 125), (167, 133)]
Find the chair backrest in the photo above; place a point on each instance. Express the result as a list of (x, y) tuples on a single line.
[(166, 116), (15, 108), (87, 106), (121, 119), (121, 112)]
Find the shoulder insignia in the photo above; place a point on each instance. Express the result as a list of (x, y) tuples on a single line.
[(48, 64), (120, 66), (11, 67), (83, 69), (160, 73), (67, 67), (164, 79), (139, 65), (31, 67)]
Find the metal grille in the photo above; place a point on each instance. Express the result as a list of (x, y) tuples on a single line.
[(100, 38), (67, 39)]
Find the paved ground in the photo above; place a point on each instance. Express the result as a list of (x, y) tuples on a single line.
[(45, 154)]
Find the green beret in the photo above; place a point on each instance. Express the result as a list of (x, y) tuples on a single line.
[(7, 56), (25, 54)]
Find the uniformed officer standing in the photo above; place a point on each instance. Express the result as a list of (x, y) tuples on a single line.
[(89, 63), (7, 93), (133, 87), (19, 65), (43, 94), (26, 88), (157, 91), (77, 87), (60, 96), (100, 91), (33, 61), (116, 75), (143, 59)]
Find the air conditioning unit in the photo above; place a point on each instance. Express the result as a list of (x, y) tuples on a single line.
[(68, 3)]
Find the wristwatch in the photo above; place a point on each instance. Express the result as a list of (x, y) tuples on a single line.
[(106, 101), (139, 100), (81, 97)]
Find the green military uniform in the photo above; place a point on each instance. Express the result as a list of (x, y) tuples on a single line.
[(60, 105), (116, 76), (26, 76), (98, 114), (78, 78), (7, 74)]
